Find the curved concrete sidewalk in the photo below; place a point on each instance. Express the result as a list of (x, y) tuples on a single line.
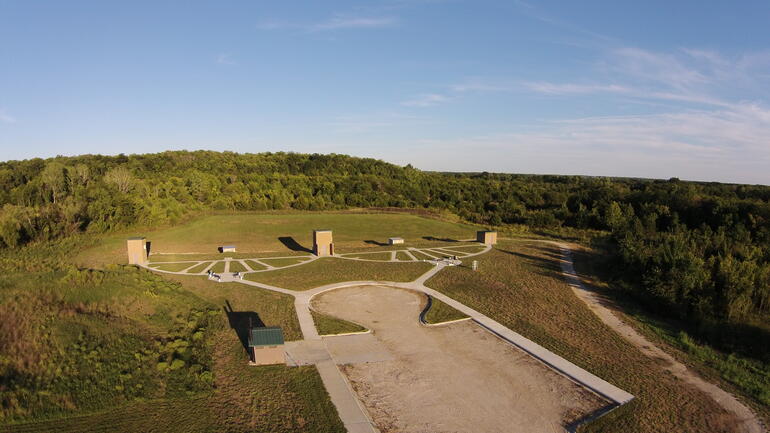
[(302, 305), (352, 413)]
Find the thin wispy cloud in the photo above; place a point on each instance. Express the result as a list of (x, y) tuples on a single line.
[(724, 145), (353, 22), (336, 22), (482, 85), (426, 100), (573, 89), (225, 59), (5, 117), (698, 128)]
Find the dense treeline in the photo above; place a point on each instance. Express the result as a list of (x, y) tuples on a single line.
[(699, 250)]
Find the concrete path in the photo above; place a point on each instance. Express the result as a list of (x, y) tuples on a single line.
[(434, 252), (352, 413), (577, 374)]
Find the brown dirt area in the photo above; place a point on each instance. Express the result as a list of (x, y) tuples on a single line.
[(452, 378)]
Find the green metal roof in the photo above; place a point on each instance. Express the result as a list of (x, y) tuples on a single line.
[(267, 336)]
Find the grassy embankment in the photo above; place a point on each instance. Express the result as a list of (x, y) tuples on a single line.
[(734, 372), (440, 312), (122, 349), (519, 285), (330, 325)]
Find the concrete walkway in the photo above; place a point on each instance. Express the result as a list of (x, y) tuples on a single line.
[(434, 252), (352, 413), (302, 305)]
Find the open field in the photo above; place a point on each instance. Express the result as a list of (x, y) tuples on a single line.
[(371, 256), (519, 284), (421, 256), (328, 270), (262, 234), (415, 386), (172, 267), (279, 263), (236, 266), (401, 255), (256, 266)]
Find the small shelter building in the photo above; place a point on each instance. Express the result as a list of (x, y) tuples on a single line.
[(266, 345), (395, 241), (137, 251), (227, 248), (323, 245), (486, 237)]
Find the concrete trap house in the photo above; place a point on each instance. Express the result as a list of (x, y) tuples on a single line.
[(138, 250), (266, 345), (395, 241), (323, 245), (486, 237), (227, 249)]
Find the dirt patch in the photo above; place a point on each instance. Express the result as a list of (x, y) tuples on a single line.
[(453, 378)]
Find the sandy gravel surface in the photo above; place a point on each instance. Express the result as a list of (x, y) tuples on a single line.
[(454, 378)]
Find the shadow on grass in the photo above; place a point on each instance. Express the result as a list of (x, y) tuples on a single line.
[(242, 322), (550, 264), (290, 243), (373, 242)]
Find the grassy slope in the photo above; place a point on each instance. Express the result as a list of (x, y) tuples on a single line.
[(520, 286), (260, 233), (245, 399), (330, 325), (440, 312), (735, 373), (332, 270), (93, 350)]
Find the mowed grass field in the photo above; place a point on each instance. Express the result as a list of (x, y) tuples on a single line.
[(519, 284), (328, 270), (282, 234)]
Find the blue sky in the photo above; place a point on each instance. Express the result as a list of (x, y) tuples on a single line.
[(648, 89)]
